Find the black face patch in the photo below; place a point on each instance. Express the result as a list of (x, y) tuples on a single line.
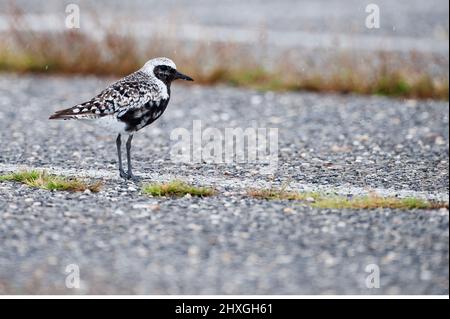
[(165, 73)]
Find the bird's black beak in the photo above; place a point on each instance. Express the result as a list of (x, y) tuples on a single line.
[(182, 76)]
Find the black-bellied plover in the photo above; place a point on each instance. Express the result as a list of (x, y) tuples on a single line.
[(129, 104)]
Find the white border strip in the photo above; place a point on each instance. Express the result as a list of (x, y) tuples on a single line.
[(225, 297)]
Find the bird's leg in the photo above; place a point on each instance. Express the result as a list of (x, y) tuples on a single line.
[(119, 155), (130, 172)]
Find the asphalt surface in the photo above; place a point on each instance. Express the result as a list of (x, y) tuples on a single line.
[(124, 242), (399, 18)]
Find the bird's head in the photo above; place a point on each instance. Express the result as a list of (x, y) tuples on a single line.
[(164, 69)]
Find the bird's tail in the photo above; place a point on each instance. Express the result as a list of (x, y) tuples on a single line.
[(62, 115), (72, 113)]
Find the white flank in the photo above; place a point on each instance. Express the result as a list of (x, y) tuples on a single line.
[(109, 124)]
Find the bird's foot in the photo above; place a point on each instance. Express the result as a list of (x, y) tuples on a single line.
[(129, 176), (123, 174), (133, 177)]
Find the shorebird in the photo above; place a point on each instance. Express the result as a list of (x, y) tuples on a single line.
[(129, 104)]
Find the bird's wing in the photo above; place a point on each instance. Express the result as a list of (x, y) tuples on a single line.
[(126, 94)]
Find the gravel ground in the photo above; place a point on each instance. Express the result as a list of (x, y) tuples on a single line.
[(125, 242)]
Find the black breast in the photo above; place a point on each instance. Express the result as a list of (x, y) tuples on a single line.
[(137, 119)]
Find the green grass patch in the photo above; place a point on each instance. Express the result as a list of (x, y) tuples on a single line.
[(50, 182), (341, 202), (176, 189)]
